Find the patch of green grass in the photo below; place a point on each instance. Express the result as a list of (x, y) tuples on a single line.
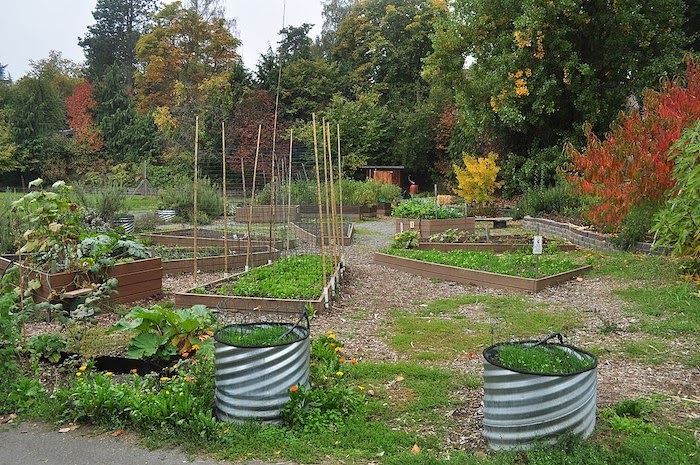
[(631, 267), (521, 264), (541, 359), (438, 332), (141, 203), (668, 312), (651, 351), (256, 336)]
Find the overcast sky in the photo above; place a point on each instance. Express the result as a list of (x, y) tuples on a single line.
[(30, 29)]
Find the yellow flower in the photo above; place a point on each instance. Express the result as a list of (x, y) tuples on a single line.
[(337, 349), (80, 373), (83, 368), (339, 373), (195, 346), (108, 374), (164, 379)]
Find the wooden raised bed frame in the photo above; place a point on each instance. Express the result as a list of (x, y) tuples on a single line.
[(311, 238), (267, 213), (259, 304), (172, 238), (137, 280), (475, 277), (216, 263), (427, 227)]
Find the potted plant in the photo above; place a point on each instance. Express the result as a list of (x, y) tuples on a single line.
[(427, 217), (256, 364), (534, 391)]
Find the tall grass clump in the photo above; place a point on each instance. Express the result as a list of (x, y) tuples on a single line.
[(179, 195), (557, 199)]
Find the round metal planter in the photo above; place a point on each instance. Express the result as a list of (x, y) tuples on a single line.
[(252, 383), (522, 409), (126, 222), (166, 216)]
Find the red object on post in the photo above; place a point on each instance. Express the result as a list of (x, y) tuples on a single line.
[(413, 189)]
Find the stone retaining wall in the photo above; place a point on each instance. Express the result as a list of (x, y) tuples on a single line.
[(583, 237)]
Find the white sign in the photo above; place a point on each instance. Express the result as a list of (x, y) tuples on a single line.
[(537, 245)]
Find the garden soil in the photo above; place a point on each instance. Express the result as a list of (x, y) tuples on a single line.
[(360, 316)]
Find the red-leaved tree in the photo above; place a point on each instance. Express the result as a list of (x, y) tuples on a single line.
[(631, 166), (79, 108)]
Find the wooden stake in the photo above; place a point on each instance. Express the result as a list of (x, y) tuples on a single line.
[(223, 166), (327, 223), (334, 213), (318, 195), (252, 200), (195, 212), (289, 184), (340, 192), (243, 178)]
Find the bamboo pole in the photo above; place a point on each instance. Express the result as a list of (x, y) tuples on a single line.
[(252, 200), (195, 211), (243, 178), (334, 213), (223, 165), (327, 223), (340, 192), (318, 195), (289, 185)]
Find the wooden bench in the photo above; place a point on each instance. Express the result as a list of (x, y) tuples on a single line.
[(498, 222)]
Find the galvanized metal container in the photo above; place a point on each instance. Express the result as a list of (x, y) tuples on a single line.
[(126, 222), (252, 383), (522, 409), (166, 216)]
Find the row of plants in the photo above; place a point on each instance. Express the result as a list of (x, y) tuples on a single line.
[(426, 208), (292, 277), (301, 192)]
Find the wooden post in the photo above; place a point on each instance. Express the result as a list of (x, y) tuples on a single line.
[(196, 174), (318, 195), (289, 185), (223, 182), (334, 213), (243, 178), (252, 200), (340, 192)]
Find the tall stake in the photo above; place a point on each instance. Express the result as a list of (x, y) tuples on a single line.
[(334, 213), (318, 195), (243, 178), (223, 166), (252, 200), (327, 223), (196, 175), (340, 192), (289, 185)]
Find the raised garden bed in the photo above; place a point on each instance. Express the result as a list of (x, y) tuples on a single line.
[(475, 277), (237, 261), (214, 238), (427, 227), (267, 213), (353, 212), (498, 244), (309, 233), (137, 280), (206, 295)]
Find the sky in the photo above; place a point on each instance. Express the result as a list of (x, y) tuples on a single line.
[(30, 29)]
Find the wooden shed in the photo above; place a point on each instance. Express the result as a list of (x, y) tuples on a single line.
[(387, 174)]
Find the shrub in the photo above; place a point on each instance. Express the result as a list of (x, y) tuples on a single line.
[(548, 200), (636, 225), (7, 233), (477, 180), (180, 196)]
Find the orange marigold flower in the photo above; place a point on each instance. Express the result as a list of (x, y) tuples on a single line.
[(341, 359), (294, 388), (134, 371), (353, 361), (185, 354)]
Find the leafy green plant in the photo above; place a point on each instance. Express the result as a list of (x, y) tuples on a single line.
[(545, 358), (425, 209), (47, 346), (451, 235), (635, 226), (7, 233), (293, 277), (557, 199), (678, 223), (162, 333), (406, 240)]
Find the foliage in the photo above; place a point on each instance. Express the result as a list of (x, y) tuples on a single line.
[(678, 223), (256, 335), (11, 321), (425, 208), (103, 251), (8, 235), (635, 226), (476, 182), (49, 346), (547, 200), (537, 71), (406, 240), (35, 110), (179, 195), (162, 332), (293, 277), (513, 263), (330, 400), (632, 166), (451, 235), (546, 358), (52, 226), (79, 109), (108, 201)]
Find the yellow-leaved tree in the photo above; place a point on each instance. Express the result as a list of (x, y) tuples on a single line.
[(476, 182)]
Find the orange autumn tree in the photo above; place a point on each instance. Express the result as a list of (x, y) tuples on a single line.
[(631, 166), (79, 109), (476, 182)]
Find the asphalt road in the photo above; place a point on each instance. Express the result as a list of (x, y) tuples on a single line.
[(36, 443)]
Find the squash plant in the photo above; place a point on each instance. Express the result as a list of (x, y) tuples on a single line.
[(162, 333)]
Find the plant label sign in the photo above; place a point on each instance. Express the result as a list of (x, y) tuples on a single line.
[(537, 245)]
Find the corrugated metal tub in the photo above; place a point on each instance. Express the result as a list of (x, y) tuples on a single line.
[(522, 408), (252, 383)]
